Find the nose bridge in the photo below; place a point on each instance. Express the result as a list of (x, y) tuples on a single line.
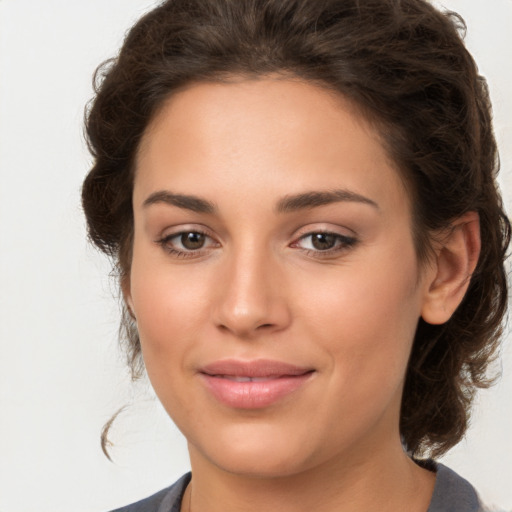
[(250, 299)]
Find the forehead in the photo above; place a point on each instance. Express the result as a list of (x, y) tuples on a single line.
[(261, 133)]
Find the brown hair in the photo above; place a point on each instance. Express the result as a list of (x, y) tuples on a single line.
[(403, 63)]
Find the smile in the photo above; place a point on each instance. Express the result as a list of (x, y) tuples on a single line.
[(254, 384), (245, 379)]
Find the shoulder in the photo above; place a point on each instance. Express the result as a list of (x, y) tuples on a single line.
[(166, 500), (452, 493)]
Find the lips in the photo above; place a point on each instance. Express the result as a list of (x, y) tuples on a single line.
[(253, 384)]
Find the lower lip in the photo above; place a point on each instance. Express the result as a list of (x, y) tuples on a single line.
[(256, 394)]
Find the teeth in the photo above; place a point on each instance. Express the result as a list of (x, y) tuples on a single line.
[(245, 379), (238, 379)]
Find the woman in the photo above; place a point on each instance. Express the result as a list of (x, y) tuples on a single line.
[(300, 197)]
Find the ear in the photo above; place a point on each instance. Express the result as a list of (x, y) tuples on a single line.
[(127, 295), (455, 260)]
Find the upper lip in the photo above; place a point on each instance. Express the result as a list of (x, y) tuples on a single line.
[(256, 368)]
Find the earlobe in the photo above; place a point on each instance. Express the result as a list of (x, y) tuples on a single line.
[(455, 261)]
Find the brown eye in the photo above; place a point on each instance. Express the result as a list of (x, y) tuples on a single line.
[(192, 240), (323, 241), (187, 244)]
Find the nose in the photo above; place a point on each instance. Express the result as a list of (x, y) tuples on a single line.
[(251, 296)]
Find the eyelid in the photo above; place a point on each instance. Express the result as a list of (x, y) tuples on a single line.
[(178, 234), (179, 229), (345, 238), (344, 242), (342, 231), (164, 240)]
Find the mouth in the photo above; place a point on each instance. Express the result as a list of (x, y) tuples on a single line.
[(253, 384), (246, 379)]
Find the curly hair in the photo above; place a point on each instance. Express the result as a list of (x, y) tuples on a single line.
[(404, 65)]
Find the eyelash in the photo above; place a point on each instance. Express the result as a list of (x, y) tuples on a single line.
[(342, 243), (165, 243)]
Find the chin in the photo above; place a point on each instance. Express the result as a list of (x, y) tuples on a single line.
[(256, 453), (260, 465)]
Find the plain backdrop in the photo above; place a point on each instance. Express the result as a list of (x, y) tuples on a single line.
[(61, 373)]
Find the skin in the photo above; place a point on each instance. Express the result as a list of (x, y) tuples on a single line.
[(259, 288)]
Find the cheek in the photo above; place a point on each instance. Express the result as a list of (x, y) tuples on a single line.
[(169, 308), (170, 316), (366, 319)]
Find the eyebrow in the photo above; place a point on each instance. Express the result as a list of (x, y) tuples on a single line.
[(287, 204), (187, 202), (309, 200)]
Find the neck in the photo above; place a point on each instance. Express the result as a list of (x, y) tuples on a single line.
[(387, 481)]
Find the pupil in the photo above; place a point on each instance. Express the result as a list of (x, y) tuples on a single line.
[(323, 241), (192, 240)]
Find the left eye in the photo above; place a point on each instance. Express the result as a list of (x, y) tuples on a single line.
[(324, 242)]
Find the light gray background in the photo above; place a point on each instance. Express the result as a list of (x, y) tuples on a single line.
[(61, 375)]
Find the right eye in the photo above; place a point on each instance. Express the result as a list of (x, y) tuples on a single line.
[(192, 240), (187, 244)]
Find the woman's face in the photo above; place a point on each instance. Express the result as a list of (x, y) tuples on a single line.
[(274, 277)]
